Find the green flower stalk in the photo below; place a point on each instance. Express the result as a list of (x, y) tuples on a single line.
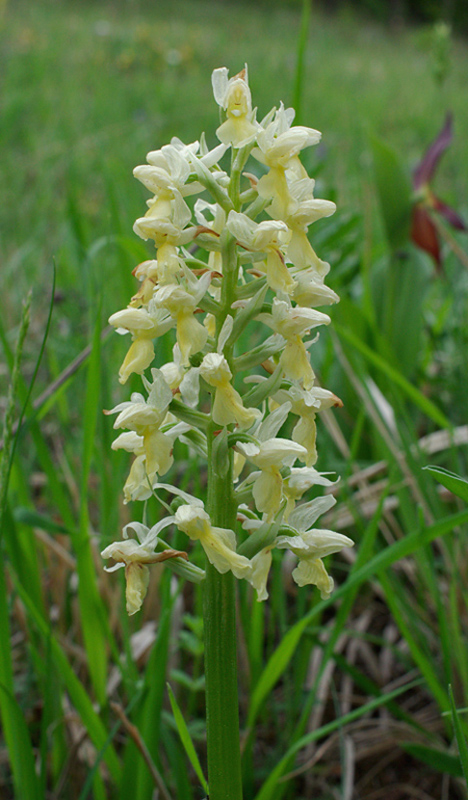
[(238, 257)]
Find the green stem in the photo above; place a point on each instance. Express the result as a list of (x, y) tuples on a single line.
[(222, 704), (228, 288)]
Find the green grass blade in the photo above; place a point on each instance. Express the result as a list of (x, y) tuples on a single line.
[(17, 739), (26, 780), (78, 694), (92, 611), (53, 743), (424, 662), (275, 667), (417, 397), (60, 499), (39, 358), (33, 519), (186, 739), (9, 440), (364, 554), (16, 735), (136, 778), (453, 482), (268, 789), (91, 777), (400, 549), (461, 741), (183, 786), (434, 757), (366, 548)]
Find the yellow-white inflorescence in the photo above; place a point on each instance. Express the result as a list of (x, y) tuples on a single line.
[(243, 243)]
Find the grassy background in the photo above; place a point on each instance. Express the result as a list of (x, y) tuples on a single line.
[(86, 91)]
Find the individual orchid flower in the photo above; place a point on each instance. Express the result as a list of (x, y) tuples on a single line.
[(169, 208), (219, 544), (148, 274), (227, 407), (303, 211), (138, 414), (298, 482), (182, 380), (280, 142), (423, 230), (292, 322), (311, 545), (166, 175), (181, 302), (139, 481), (152, 446), (269, 236), (270, 454), (310, 290), (270, 457), (167, 172), (165, 222), (233, 96), (135, 555), (306, 404), (145, 324), (278, 147), (153, 458)]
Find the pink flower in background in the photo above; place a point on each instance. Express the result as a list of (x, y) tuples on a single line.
[(423, 230)]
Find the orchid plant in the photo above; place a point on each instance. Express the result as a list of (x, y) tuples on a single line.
[(423, 230), (238, 256)]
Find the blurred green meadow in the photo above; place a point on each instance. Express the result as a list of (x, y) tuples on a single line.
[(87, 89)]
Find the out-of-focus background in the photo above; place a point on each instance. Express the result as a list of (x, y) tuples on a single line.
[(86, 90), (89, 88)]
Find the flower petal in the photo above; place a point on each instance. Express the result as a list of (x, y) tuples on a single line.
[(428, 164)]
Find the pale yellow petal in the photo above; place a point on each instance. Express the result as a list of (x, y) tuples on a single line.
[(295, 362), (228, 408), (268, 491), (277, 273), (219, 546), (137, 576), (305, 433), (137, 486), (138, 358), (158, 451), (191, 335), (312, 571), (261, 564)]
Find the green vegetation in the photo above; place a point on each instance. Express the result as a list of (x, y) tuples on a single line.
[(87, 90)]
